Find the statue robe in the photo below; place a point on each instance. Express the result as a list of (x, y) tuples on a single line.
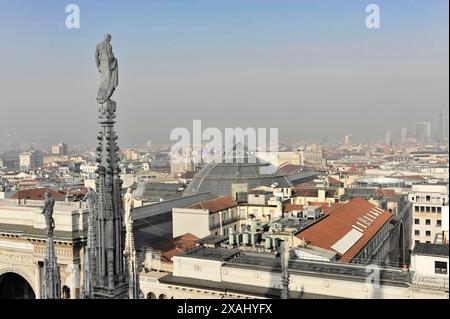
[(108, 67)]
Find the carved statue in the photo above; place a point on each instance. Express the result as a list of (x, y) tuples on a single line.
[(128, 203), (108, 67), (89, 198), (49, 203)]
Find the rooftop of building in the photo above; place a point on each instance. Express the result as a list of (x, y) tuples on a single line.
[(175, 246), (30, 232), (216, 205), (346, 229), (219, 253), (312, 192), (38, 194), (427, 249), (236, 288)]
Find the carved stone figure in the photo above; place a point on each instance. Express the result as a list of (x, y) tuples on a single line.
[(49, 204), (89, 198), (108, 67), (128, 203)]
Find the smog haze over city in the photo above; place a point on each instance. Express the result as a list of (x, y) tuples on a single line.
[(311, 69), (244, 153)]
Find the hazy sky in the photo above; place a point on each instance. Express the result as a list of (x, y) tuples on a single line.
[(310, 68)]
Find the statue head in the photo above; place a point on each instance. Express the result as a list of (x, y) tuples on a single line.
[(47, 194), (108, 37), (129, 190)]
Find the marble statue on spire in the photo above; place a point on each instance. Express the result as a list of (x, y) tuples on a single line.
[(109, 279), (108, 67), (51, 284), (49, 203)]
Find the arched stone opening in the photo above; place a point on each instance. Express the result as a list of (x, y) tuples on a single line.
[(151, 295), (65, 292), (14, 286)]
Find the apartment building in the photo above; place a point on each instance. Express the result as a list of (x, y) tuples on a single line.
[(428, 202)]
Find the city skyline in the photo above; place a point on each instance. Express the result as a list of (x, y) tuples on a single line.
[(233, 64)]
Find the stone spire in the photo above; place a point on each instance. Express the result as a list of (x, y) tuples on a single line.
[(110, 277), (89, 258), (107, 272), (132, 263), (130, 251), (51, 283)]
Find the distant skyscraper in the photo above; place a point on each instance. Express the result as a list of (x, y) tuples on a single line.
[(347, 139), (423, 132), (404, 135), (30, 160), (388, 137), (60, 149), (442, 127)]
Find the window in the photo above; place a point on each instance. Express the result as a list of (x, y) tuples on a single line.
[(438, 223), (417, 232), (439, 210), (433, 209), (427, 221), (428, 209), (416, 208), (440, 267), (428, 198), (417, 221), (428, 233)]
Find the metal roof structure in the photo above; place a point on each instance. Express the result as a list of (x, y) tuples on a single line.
[(218, 178), (41, 233)]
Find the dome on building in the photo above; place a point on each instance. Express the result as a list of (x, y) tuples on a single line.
[(240, 174)]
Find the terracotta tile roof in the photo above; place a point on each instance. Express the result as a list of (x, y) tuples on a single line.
[(385, 192), (306, 192), (305, 184), (173, 247), (325, 207), (340, 221), (216, 205), (288, 168), (292, 207), (37, 194), (334, 182)]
